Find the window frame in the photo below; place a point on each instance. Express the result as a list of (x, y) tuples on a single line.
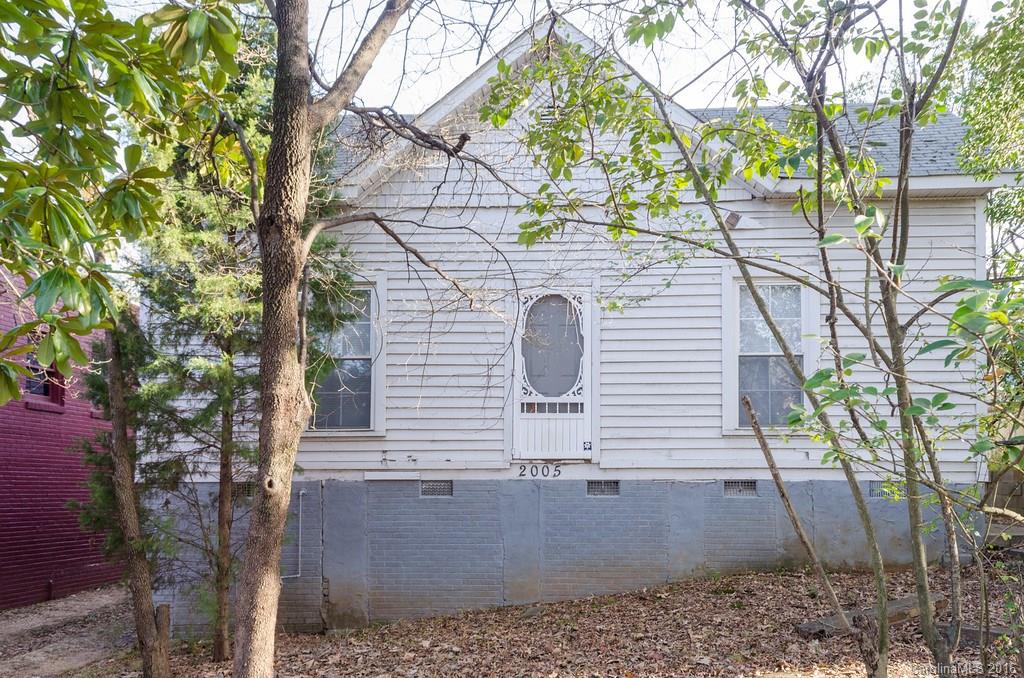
[(377, 285), (810, 327), (55, 383)]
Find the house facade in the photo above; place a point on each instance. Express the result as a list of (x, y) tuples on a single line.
[(511, 425), (44, 553)]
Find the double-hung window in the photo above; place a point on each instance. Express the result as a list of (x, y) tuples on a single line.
[(345, 390), (45, 382), (753, 362), (764, 374)]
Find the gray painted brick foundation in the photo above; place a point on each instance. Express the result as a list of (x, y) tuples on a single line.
[(377, 550)]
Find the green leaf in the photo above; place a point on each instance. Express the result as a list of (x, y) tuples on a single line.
[(197, 24), (965, 284), (937, 345), (132, 156), (831, 239), (818, 378)]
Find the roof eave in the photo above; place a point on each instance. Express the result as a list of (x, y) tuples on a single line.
[(920, 186)]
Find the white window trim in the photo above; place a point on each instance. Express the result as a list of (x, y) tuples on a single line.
[(377, 284), (810, 321)]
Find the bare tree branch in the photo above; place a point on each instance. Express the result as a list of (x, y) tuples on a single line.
[(344, 88)]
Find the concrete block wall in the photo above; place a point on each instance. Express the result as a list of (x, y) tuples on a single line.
[(184, 588), (602, 544), (378, 550)]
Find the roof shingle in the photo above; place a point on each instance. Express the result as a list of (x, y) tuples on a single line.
[(935, 149)]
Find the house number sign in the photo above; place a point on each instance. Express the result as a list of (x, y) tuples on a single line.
[(540, 470)]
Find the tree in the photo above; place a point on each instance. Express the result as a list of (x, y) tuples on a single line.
[(72, 72), (823, 139), (286, 236)]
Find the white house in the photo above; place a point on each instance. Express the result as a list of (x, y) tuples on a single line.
[(566, 420)]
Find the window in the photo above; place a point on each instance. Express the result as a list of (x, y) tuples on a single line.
[(764, 375), (552, 347), (344, 393), (752, 362), (45, 382)]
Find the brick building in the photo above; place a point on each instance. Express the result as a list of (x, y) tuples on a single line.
[(43, 552)]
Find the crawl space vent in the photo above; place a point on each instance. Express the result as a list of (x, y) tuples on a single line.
[(436, 488), (244, 490), (876, 488), (603, 488), (741, 488)]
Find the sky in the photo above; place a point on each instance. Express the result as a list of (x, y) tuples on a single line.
[(421, 64)]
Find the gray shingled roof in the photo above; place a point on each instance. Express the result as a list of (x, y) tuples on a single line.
[(935, 149), (356, 144)]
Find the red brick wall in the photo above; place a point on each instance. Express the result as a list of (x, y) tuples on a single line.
[(43, 552)]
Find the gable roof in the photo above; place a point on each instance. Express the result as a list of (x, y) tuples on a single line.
[(356, 175), (933, 158), (934, 152)]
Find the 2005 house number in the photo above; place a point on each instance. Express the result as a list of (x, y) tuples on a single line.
[(540, 470)]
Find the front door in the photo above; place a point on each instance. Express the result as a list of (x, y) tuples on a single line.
[(553, 378)]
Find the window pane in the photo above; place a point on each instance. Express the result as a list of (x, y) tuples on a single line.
[(781, 378), (755, 337), (355, 410), (754, 373), (760, 401), (552, 346), (354, 336), (351, 339), (748, 309), (785, 301), (792, 331), (781, 402), (357, 306), (39, 381), (343, 396)]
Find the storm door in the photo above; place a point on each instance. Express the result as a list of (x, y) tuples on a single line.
[(553, 378)]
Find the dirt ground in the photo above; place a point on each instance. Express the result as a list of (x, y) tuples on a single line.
[(62, 636), (731, 626)]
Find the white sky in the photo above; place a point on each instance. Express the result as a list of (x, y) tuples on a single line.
[(416, 71), (420, 65)]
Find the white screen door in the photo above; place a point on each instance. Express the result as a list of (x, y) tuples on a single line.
[(553, 378)]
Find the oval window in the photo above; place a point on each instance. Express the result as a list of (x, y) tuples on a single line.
[(552, 346)]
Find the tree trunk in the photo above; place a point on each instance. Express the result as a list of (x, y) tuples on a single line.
[(225, 518), (153, 648), (284, 406), (952, 545), (935, 640)]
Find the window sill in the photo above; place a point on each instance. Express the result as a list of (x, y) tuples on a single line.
[(343, 433), (44, 406)]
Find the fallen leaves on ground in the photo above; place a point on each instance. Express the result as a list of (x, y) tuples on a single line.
[(740, 625)]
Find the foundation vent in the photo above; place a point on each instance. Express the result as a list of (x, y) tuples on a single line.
[(244, 490), (876, 488), (741, 488), (436, 488), (602, 488)]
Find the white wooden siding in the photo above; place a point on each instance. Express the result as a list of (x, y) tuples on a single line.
[(659, 364)]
